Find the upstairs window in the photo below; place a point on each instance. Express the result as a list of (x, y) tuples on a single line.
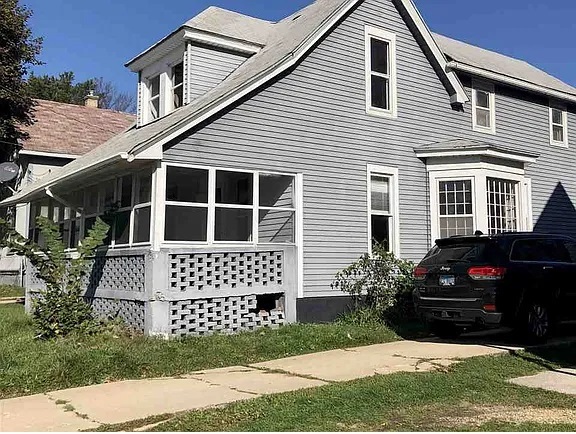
[(154, 100), (484, 108), (380, 72), (178, 86), (558, 126)]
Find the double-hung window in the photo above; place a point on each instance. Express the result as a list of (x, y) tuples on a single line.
[(177, 85), (558, 126), (383, 207), (455, 200), (154, 98), (483, 107), (380, 72)]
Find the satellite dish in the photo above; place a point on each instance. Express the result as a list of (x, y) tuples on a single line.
[(8, 171)]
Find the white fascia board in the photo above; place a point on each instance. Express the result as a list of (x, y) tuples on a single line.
[(221, 41), (49, 154), (515, 82), (459, 95), (477, 152)]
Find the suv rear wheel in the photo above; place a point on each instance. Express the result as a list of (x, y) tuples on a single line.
[(537, 322)]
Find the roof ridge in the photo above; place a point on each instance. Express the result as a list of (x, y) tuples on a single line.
[(213, 7), (106, 110)]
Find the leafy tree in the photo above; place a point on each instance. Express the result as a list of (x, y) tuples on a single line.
[(18, 52), (60, 309), (63, 89)]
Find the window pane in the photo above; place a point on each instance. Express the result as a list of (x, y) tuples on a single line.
[(186, 224), (380, 193), (233, 224), (178, 74), (379, 55), (557, 117), (234, 188), (74, 234), (154, 86), (558, 133), (122, 224), (452, 226), (276, 191), (144, 193), (380, 95), (187, 185), (108, 195), (455, 197), (155, 108), (381, 231), (483, 118), (142, 225), (502, 205), (482, 98), (178, 97), (276, 226), (126, 192)]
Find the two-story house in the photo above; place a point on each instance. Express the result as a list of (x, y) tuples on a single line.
[(269, 156)]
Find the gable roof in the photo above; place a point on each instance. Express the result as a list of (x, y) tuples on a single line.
[(72, 130), (476, 60), (289, 41)]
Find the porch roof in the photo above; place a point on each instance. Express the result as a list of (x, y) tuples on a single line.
[(469, 147)]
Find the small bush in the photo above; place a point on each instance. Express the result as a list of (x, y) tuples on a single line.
[(59, 310), (380, 282)]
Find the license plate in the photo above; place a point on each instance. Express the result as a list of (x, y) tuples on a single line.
[(447, 280)]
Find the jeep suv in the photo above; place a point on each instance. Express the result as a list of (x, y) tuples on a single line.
[(523, 280)]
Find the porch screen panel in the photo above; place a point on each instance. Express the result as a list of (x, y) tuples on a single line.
[(502, 205), (456, 209)]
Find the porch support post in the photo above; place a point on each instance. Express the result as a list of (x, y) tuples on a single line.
[(157, 321), (290, 283)]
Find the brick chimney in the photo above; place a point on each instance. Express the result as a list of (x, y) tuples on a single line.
[(91, 100)]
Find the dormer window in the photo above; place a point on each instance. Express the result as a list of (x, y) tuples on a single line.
[(178, 85), (154, 101)]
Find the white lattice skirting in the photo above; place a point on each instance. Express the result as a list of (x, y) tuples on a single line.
[(130, 311), (227, 314)]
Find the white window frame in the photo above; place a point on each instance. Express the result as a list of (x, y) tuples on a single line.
[(564, 125), (212, 205), (150, 98), (479, 173), (174, 87), (436, 208), (390, 38), (393, 174), (487, 88)]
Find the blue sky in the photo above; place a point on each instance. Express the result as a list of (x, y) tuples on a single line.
[(96, 38)]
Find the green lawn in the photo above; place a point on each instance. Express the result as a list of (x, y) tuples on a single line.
[(30, 366), (11, 291), (471, 396)]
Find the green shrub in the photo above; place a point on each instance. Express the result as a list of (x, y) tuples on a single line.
[(380, 282), (58, 310)]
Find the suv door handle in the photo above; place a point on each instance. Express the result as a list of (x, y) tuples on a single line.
[(547, 268)]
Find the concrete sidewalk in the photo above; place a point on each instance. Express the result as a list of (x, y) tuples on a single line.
[(87, 408)]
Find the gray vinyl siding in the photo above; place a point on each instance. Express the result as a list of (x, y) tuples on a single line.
[(208, 67), (313, 121)]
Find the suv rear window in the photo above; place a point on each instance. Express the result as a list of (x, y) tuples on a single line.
[(540, 250), (473, 252)]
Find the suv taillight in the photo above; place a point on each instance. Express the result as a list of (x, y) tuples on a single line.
[(420, 273), (487, 273)]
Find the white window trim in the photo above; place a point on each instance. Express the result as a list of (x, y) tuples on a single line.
[(212, 205), (563, 143), (436, 202), (393, 174), (479, 173), (486, 87), (390, 38)]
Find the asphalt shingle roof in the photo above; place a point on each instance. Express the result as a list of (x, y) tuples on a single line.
[(72, 129)]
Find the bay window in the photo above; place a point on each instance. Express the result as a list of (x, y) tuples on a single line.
[(228, 206), (456, 215)]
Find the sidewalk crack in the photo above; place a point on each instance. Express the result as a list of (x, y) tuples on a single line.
[(68, 407), (291, 374)]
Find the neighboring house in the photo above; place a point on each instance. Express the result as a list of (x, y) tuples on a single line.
[(269, 156), (61, 133)]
